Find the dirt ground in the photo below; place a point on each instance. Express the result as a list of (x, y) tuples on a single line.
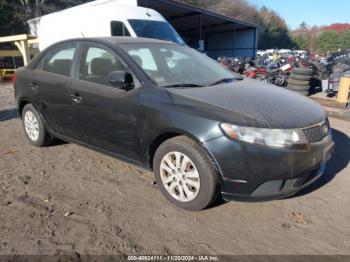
[(67, 199)]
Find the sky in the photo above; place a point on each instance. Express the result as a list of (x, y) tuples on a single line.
[(313, 12)]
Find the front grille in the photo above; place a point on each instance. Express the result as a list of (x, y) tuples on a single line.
[(316, 133)]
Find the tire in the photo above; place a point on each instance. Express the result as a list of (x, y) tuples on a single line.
[(34, 127), (298, 82), (259, 77), (298, 88), (303, 93), (300, 77), (206, 176), (303, 71)]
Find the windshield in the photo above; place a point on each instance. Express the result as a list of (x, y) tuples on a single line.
[(171, 65), (155, 29)]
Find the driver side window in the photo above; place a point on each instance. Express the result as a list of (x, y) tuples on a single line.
[(97, 64)]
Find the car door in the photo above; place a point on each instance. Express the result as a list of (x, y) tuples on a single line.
[(51, 80), (101, 115)]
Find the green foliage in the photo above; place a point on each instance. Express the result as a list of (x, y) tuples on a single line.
[(328, 41), (321, 42), (300, 42), (274, 31), (345, 40)]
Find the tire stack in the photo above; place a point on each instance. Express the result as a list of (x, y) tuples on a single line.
[(299, 81)]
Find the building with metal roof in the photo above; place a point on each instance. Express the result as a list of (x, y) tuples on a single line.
[(215, 34)]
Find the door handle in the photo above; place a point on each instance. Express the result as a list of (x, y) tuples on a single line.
[(76, 98)]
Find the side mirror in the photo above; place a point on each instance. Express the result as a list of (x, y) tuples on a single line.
[(121, 79)]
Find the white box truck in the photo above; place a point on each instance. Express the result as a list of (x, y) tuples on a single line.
[(102, 18)]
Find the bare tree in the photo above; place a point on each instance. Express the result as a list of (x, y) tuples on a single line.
[(238, 9), (15, 13), (32, 8), (273, 29)]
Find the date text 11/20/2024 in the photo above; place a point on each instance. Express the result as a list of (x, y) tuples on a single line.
[(173, 258)]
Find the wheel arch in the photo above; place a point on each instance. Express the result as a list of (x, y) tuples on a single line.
[(169, 134), (161, 138), (21, 105)]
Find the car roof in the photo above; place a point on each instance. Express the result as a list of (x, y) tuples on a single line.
[(116, 40), (112, 40)]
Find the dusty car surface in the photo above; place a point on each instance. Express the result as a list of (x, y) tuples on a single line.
[(203, 131)]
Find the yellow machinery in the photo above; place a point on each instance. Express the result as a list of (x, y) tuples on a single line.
[(24, 44), (343, 91), (6, 74)]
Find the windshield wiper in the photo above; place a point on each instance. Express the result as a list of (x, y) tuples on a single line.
[(183, 85), (223, 81)]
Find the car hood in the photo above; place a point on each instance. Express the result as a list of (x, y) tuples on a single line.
[(250, 103)]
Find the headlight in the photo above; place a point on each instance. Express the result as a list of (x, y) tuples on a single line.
[(265, 136)]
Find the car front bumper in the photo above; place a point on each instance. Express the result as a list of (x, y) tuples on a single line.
[(251, 172)]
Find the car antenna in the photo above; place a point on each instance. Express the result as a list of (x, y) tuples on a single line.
[(82, 34)]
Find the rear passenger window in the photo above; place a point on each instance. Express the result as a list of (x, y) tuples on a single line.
[(59, 60), (97, 63), (119, 29)]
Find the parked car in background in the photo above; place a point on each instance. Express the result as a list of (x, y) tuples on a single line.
[(203, 131), (300, 53)]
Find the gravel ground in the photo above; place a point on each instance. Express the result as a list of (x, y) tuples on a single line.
[(67, 199)]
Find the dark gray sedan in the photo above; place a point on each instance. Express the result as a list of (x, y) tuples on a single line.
[(204, 131)]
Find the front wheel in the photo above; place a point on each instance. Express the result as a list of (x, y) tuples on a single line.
[(185, 174), (260, 78), (34, 127)]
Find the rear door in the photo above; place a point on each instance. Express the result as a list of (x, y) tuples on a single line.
[(101, 115), (51, 80)]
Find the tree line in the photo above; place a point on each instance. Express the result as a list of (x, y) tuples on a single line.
[(333, 38), (273, 30)]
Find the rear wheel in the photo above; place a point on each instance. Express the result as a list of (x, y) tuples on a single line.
[(185, 174), (260, 77), (34, 127), (298, 82), (300, 77), (298, 88), (303, 71), (303, 93)]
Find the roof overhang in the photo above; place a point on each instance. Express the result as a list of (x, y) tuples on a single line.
[(187, 18)]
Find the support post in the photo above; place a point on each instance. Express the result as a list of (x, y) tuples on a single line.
[(256, 39), (24, 49), (234, 39), (201, 46)]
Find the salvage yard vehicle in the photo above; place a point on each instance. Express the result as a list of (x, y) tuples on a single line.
[(204, 131), (110, 18)]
